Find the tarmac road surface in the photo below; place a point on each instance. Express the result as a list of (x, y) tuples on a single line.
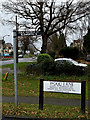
[(53, 101), (31, 59)]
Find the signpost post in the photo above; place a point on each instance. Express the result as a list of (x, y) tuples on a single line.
[(41, 95), (15, 66), (17, 33), (83, 96)]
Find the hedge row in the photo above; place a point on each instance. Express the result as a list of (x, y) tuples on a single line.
[(47, 66)]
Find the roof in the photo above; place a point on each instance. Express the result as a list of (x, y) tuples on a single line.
[(8, 45)]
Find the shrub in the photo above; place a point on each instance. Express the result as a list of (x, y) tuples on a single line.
[(46, 67), (68, 69), (30, 68), (50, 67), (43, 57)]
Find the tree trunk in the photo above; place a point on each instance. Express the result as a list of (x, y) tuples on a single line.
[(44, 44)]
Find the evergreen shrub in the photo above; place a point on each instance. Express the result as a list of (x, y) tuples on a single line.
[(43, 57)]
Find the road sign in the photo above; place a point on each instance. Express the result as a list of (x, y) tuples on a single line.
[(64, 87), (28, 33)]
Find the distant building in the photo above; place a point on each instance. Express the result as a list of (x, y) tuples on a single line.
[(8, 47), (5, 47), (78, 43)]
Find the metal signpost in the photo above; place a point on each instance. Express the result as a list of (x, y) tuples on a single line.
[(63, 87), (15, 35), (28, 33), (15, 66)]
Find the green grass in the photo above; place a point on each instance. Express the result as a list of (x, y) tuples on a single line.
[(28, 85), (20, 66), (49, 111), (3, 59), (29, 55)]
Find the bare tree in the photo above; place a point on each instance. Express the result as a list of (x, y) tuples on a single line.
[(47, 17), (25, 42)]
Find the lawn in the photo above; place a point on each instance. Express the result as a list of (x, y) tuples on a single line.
[(49, 111), (20, 66), (28, 85)]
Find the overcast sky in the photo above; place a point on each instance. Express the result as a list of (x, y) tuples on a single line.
[(5, 29), (8, 30)]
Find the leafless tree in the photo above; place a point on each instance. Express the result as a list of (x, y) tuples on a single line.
[(47, 17)]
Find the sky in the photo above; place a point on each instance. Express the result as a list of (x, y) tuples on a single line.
[(8, 30), (5, 29)]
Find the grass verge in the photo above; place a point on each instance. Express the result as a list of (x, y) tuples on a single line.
[(20, 66), (49, 111), (28, 85)]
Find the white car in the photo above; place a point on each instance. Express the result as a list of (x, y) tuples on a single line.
[(71, 61), (20, 56)]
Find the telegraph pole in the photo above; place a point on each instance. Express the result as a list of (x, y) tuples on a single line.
[(16, 40)]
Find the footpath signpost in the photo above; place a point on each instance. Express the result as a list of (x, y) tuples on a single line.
[(15, 65), (15, 35), (63, 87)]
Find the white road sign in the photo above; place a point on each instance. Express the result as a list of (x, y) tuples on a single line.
[(64, 87), (28, 33)]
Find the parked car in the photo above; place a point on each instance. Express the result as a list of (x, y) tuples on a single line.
[(20, 56), (70, 61), (36, 53), (88, 58)]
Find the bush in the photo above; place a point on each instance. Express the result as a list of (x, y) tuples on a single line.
[(49, 67), (43, 57), (29, 69), (68, 69), (45, 67)]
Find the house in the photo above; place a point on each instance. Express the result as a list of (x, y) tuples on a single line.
[(78, 43), (8, 47)]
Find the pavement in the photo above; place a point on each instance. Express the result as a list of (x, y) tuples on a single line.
[(53, 101)]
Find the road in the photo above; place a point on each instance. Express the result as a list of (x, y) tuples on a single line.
[(32, 59)]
